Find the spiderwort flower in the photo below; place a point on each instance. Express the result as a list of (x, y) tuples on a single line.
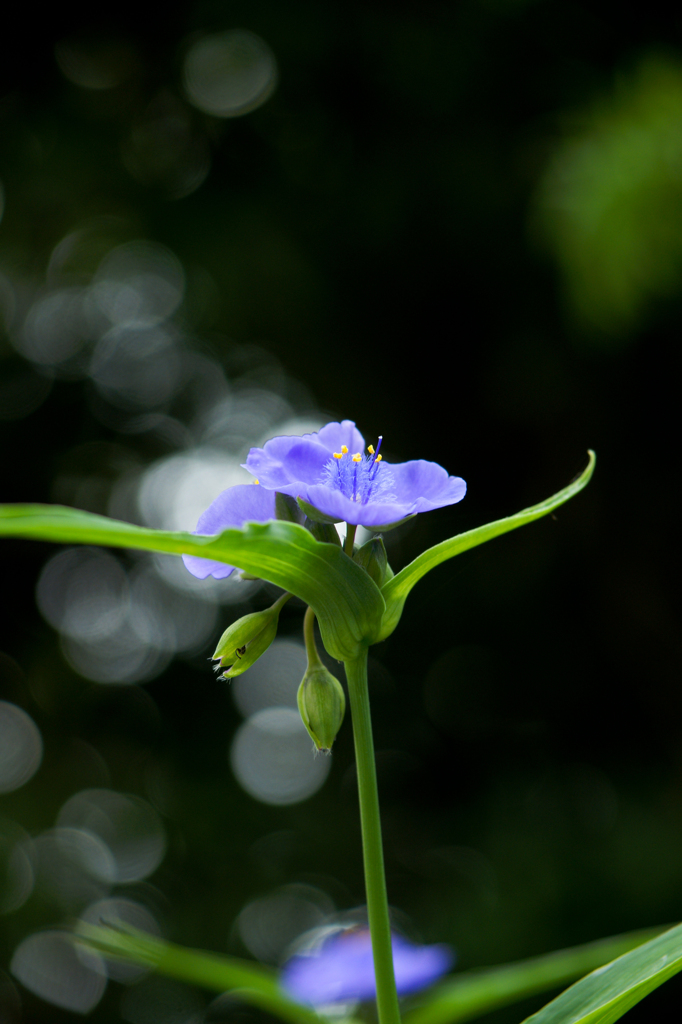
[(340, 968), (328, 473)]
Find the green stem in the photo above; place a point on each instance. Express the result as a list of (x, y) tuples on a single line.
[(309, 638), (281, 601), (350, 539), (375, 879)]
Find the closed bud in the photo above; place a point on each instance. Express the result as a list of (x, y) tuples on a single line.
[(287, 509), (324, 532), (372, 557), (245, 640), (322, 704)]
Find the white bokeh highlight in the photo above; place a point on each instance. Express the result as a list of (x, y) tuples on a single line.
[(21, 747), (229, 74), (272, 758), (128, 825), (49, 966), (273, 681), (17, 873)]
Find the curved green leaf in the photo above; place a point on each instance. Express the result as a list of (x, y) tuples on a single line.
[(610, 991), (250, 982), (347, 603), (395, 592), (470, 994), (600, 998)]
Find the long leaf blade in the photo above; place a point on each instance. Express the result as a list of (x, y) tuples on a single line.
[(395, 592), (473, 993), (347, 603), (251, 982), (610, 991)]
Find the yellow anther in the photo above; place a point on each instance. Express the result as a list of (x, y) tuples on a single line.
[(370, 449), (378, 459), (338, 455), (344, 449), (357, 457), (256, 481)]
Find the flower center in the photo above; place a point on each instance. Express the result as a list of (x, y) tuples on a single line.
[(360, 477)]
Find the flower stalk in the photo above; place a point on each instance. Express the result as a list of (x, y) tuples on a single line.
[(372, 847), (350, 539)]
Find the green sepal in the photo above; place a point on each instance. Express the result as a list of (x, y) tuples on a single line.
[(324, 532), (396, 590), (373, 559), (391, 526), (287, 510), (245, 640), (322, 704), (348, 605), (315, 514)]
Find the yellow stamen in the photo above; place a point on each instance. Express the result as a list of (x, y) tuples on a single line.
[(378, 459), (370, 449), (256, 481), (344, 449), (357, 457), (339, 455)]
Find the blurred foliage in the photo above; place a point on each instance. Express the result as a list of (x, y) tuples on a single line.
[(611, 200)]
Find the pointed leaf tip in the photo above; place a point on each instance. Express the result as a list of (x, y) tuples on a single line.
[(396, 590)]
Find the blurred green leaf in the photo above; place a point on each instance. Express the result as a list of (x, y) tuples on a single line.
[(599, 998), (395, 592), (610, 203), (251, 983), (346, 602), (471, 994)]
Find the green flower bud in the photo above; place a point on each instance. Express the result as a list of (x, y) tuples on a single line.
[(245, 640), (322, 704), (286, 509), (324, 532), (372, 557)]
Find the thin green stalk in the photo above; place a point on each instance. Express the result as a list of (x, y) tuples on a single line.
[(309, 638), (350, 539), (281, 601), (372, 851)]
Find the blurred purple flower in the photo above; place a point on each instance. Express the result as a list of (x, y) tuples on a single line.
[(341, 969), (329, 471)]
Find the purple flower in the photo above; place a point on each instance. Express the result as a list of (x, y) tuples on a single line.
[(341, 969), (329, 471), (237, 505)]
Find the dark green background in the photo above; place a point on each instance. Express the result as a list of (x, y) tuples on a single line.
[(372, 226)]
